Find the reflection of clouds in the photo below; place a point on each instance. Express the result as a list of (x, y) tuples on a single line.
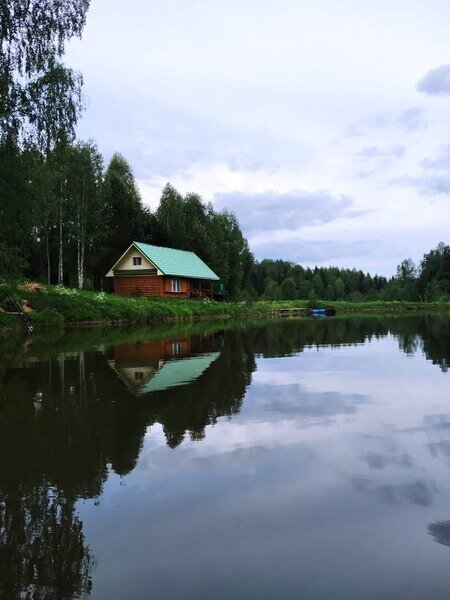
[(243, 457), (437, 428), (223, 454), (440, 531), (294, 402), (416, 492), (314, 404), (437, 422), (376, 460), (440, 448)]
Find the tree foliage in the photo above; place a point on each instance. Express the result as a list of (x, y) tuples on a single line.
[(39, 96), (124, 217)]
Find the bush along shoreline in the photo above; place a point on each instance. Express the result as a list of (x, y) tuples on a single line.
[(57, 306)]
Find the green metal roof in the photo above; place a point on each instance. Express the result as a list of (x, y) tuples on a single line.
[(178, 372), (180, 263)]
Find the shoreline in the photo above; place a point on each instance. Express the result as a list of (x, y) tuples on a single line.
[(269, 312), (59, 307)]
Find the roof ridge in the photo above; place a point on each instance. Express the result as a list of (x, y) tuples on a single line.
[(167, 248)]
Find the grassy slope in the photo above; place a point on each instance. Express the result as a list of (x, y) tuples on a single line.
[(57, 306)]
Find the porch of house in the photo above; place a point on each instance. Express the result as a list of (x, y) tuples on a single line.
[(199, 289)]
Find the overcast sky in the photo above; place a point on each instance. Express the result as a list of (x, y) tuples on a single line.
[(325, 126)]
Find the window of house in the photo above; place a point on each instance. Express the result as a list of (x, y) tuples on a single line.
[(176, 285), (137, 260), (138, 375), (177, 348)]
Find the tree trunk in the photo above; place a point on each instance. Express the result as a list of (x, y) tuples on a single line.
[(60, 260), (47, 252), (81, 236), (79, 278)]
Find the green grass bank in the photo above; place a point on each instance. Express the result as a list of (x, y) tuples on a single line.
[(56, 306)]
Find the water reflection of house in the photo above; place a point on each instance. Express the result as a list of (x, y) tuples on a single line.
[(162, 364)]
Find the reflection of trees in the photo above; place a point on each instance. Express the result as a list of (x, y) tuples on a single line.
[(62, 422), (219, 392), (43, 470), (69, 418), (435, 333), (430, 333), (288, 336), (42, 549), (440, 531)]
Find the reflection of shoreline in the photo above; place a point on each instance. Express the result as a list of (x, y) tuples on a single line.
[(415, 333), (71, 416)]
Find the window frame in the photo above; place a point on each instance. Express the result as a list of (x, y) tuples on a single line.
[(175, 285), (137, 261), (177, 348)]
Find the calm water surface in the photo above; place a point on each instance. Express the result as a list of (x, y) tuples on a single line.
[(286, 459)]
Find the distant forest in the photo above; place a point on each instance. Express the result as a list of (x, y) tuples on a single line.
[(65, 218)]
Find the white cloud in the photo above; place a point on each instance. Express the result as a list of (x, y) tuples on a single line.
[(242, 98)]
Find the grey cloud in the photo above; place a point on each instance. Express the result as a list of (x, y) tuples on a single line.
[(432, 186), (377, 159), (436, 82), (316, 252), (427, 185), (435, 176), (409, 119), (271, 211), (369, 152), (162, 141), (372, 152), (440, 162), (155, 153)]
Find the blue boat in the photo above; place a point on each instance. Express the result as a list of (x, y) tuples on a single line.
[(323, 312)]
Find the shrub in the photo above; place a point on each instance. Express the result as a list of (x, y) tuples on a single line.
[(48, 316), (9, 321), (82, 312)]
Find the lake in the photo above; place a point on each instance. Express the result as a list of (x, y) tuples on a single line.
[(291, 458)]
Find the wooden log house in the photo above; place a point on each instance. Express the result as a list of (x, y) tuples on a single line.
[(146, 270)]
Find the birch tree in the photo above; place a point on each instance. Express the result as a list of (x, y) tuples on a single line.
[(84, 181), (39, 95)]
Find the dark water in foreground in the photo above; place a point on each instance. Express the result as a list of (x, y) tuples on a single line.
[(286, 459)]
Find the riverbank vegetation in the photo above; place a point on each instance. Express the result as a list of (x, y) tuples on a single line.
[(57, 306)]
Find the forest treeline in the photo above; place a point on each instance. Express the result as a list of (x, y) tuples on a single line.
[(66, 219), (65, 216), (69, 219), (428, 282)]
